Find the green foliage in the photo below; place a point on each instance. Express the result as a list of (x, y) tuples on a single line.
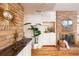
[(36, 31)]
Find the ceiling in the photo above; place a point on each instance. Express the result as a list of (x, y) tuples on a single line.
[(37, 7), (67, 6)]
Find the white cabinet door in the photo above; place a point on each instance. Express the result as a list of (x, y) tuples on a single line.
[(47, 39), (28, 49), (52, 38)]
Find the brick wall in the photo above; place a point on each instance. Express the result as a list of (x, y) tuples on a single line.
[(7, 31), (62, 15)]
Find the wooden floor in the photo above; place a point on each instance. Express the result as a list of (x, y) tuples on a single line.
[(52, 51)]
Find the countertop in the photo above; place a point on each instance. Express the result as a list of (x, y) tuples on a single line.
[(14, 49)]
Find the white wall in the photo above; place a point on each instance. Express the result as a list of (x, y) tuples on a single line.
[(40, 18), (78, 27)]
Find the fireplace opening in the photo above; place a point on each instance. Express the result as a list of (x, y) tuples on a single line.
[(68, 37)]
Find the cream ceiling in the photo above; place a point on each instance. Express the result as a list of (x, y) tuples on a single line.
[(37, 7)]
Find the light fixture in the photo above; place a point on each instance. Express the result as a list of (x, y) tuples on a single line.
[(6, 13)]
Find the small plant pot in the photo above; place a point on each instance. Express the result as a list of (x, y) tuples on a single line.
[(35, 46)]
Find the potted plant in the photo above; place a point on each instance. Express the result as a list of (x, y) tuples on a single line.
[(36, 33)]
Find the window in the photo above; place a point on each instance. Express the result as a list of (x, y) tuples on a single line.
[(66, 23)]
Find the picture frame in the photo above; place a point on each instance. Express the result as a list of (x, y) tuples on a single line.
[(49, 27)]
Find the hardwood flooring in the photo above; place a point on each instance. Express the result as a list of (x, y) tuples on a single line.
[(52, 51)]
